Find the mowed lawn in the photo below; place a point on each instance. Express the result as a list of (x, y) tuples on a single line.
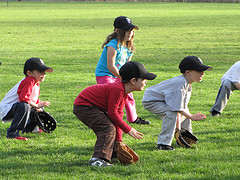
[(68, 37)]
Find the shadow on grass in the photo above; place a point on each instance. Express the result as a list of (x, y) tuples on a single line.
[(218, 135), (223, 177), (49, 156), (146, 146)]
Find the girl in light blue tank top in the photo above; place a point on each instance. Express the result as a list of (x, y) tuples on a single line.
[(118, 49)]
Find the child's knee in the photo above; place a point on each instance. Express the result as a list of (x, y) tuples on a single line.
[(22, 106), (110, 130), (172, 115), (26, 107)]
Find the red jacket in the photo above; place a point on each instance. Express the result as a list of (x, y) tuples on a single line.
[(110, 97), (29, 90)]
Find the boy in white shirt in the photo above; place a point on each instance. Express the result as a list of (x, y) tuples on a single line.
[(169, 100), (230, 81), (16, 105)]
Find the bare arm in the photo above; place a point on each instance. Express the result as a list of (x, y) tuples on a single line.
[(237, 84), (178, 124), (40, 104), (195, 117), (111, 56), (129, 59)]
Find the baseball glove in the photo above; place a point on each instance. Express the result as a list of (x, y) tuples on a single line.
[(184, 138), (189, 137), (125, 154), (45, 121)]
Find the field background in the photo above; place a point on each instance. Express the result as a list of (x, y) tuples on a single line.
[(68, 37)]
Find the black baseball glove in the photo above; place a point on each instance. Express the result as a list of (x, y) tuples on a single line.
[(45, 121), (41, 119), (189, 137), (185, 138)]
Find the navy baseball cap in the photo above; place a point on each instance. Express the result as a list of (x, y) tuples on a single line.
[(134, 69), (193, 63), (125, 23), (36, 64), (0, 63)]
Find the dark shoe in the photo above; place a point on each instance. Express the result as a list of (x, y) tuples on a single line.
[(214, 113), (98, 162), (141, 121), (165, 147)]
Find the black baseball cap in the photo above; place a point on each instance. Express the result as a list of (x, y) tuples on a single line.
[(36, 64), (193, 63), (0, 63), (124, 23), (134, 69)]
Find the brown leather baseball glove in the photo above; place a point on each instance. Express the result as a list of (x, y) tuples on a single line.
[(125, 154)]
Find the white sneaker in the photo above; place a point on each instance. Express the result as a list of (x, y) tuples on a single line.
[(98, 162), (35, 130)]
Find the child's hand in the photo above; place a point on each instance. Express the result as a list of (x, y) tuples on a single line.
[(198, 116), (43, 103), (39, 110), (135, 134)]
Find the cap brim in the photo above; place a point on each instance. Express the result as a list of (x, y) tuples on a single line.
[(135, 27), (209, 69), (200, 68), (49, 70), (205, 68), (45, 69), (131, 26), (149, 76)]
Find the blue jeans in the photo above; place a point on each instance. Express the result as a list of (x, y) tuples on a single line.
[(19, 114)]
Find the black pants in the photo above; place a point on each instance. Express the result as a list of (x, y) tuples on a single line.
[(19, 114), (102, 126)]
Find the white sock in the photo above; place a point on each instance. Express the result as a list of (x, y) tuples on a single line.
[(93, 158)]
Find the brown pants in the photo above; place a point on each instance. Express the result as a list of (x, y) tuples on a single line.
[(101, 125)]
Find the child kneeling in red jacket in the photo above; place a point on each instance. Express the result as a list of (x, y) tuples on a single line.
[(100, 107)]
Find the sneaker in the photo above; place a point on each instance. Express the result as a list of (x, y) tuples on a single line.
[(214, 113), (141, 121), (21, 138), (98, 162), (37, 130), (165, 147)]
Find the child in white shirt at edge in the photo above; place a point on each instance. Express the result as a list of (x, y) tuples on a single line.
[(230, 82), (16, 105), (169, 100)]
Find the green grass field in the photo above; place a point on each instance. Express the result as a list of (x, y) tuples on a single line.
[(68, 37)]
